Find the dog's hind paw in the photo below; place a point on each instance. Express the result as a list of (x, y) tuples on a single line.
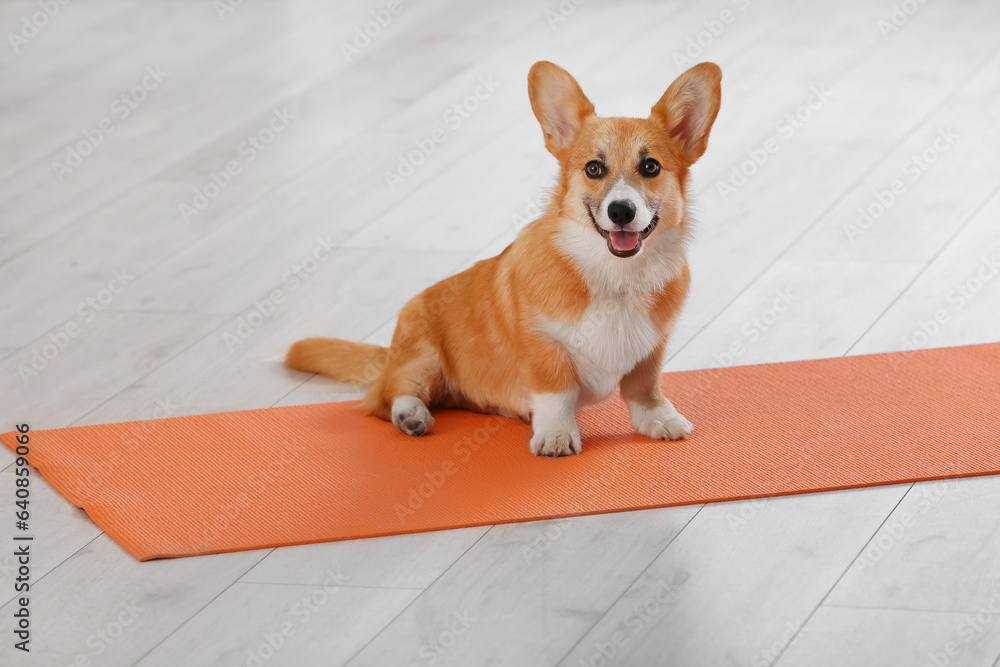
[(411, 416)]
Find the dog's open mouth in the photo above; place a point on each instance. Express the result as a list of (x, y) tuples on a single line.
[(623, 243)]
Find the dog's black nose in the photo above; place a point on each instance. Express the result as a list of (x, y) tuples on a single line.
[(621, 211)]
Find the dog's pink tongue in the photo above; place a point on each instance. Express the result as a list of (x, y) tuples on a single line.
[(624, 241)]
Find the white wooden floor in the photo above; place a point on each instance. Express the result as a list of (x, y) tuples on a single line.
[(856, 94)]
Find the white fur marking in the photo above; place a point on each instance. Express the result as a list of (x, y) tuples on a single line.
[(613, 336), (553, 422), (660, 259), (660, 423), (623, 192)]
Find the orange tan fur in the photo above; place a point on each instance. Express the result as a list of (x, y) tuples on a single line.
[(580, 302)]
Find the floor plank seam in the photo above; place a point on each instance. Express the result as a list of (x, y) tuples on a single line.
[(894, 87), (414, 600), (190, 618), (875, 165), (965, 223), (235, 214), (290, 583), (216, 228), (802, 626), (962, 612), (62, 562), (627, 588)]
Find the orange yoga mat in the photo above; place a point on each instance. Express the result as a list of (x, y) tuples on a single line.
[(262, 478)]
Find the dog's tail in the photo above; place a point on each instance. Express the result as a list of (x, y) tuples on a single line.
[(342, 360)]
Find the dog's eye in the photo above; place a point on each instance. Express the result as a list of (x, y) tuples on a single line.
[(650, 167), (594, 169)]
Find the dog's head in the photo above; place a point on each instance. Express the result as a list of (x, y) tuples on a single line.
[(625, 176)]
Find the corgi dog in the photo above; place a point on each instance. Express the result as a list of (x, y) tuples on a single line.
[(581, 303)]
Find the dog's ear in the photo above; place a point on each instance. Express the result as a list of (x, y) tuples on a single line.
[(689, 107), (559, 104)]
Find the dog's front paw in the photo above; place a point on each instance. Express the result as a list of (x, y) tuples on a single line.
[(556, 443), (661, 423), (411, 416)]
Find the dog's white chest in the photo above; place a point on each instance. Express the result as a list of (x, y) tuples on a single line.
[(606, 343)]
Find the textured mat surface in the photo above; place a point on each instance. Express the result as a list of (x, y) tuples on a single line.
[(261, 478)]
